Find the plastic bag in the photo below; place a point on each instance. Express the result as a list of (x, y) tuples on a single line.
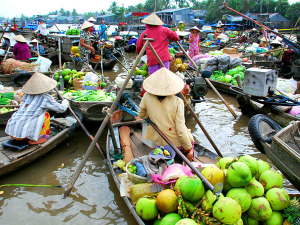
[(287, 86), (212, 61), (224, 59), (211, 68), (234, 62), (171, 174), (223, 68), (44, 64), (91, 77)]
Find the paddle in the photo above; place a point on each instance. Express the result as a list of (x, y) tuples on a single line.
[(218, 187), (106, 119), (82, 126), (208, 81), (189, 107)]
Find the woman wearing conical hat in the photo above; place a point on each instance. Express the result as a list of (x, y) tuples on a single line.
[(161, 35), (194, 39), (85, 47), (163, 108), (32, 121), (21, 48)]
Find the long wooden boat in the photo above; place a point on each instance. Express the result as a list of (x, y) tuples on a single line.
[(11, 160), (223, 87), (284, 152), (139, 149)]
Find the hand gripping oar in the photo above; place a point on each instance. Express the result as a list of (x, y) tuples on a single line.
[(217, 189), (105, 121), (82, 126), (208, 81), (189, 107)]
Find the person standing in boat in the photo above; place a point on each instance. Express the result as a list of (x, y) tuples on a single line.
[(21, 48), (85, 45), (102, 30), (161, 35), (194, 39), (32, 121), (181, 26), (93, 20), (5, 43), (42, 29), (166, 110)]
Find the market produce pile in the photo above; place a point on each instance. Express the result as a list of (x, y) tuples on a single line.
[(68, 77), (252, 195), (143, 70), (73, 32), (89, 95), (6, 98), (230, 76), (6, 110)]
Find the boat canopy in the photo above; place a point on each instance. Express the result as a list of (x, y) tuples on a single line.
[(139, 14)]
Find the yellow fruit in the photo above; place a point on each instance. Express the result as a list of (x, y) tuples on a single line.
[(166, 153), (178, 61), (214, 174)]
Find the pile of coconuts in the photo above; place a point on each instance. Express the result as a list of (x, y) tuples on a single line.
[(252, 195)]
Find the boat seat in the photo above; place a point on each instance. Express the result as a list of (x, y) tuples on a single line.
[(14, 144)]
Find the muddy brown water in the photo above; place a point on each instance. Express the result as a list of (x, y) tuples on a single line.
[(94, 198)]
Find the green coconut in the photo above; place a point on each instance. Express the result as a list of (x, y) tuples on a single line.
[(255, 189), (260, 209), (157, 221), (271, 179), (208, 199), (187, 221), (276, 219), (223, 161), (170, 219), (238, 174), (227, 186), (278, 198), (227, 210), (241, 196), (251, 162), (146, 208), (191, 188), (247, 220), (239, 222), (166, 201), (262, 167)]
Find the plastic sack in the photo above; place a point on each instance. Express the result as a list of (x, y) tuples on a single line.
[(171, 174), (212, 61), (234, 62), (211, 68), (91, 77), (44, 64), (200, 56), (287, 86), (224, 59), (199, 62), (250, 50), (223, 68)]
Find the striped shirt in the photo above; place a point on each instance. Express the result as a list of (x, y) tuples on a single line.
[(27, 122)]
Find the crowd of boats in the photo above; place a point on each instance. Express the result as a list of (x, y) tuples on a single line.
[(264, 87)]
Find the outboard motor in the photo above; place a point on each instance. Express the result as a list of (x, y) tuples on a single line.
[(198, 87), (138, 82)]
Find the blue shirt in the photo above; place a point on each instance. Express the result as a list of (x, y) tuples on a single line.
[(41, 48), (132, 41), (101, 29)]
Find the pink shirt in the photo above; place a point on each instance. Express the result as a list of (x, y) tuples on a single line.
[(21, 51), (160, 35)]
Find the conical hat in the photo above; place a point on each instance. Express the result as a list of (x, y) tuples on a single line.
[(86, 24), (275, 42), (91, 19), (38, 83), (152, 19), (19, 38), (163, 83), (34, 41), (5, 36), (194, 28)]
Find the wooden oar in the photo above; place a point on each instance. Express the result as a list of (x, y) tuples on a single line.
[(189, 107), (82, 126), (178, 152), (105, 121), (208, 81)]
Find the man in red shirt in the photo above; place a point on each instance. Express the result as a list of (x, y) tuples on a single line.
[(161, 35)]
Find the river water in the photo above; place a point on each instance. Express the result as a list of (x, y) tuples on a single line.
[(94, 198)]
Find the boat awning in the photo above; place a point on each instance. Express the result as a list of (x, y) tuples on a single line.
[(139, 14)]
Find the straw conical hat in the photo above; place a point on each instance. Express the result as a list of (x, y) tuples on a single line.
[(91, 19), (34, 41), (152, 19), (163, 83), (194, 28), (5, 36), (275, 42), (86, 24), (38, 83), (19, 38), (180, 22), (263, 39)]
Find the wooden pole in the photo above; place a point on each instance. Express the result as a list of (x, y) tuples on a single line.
[(61, 79), (208, 81), (294, 28), (81, 125), (189, 107), (104, 123)]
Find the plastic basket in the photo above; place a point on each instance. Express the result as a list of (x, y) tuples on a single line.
[(135, 178), (89, 87)]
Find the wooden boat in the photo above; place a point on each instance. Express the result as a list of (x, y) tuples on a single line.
[(139, 149), (205, 49), (223, 87), (10, 160), (129, 48), (4, 117)]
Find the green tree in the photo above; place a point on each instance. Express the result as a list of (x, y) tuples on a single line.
[(61, 12), (74, 12), (67, 13), (283, 7), (293, 12)]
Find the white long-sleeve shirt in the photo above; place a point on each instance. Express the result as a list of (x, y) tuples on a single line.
[(43, 30)]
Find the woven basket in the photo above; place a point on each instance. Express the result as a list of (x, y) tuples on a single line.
[(135, 178), (173, 66), (229, 50), (77, 84)]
